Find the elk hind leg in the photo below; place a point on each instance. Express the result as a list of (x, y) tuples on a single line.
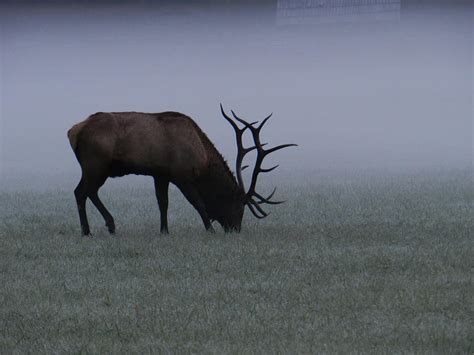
[(80, 193), (93, 186), (88, 188), (109, 220)]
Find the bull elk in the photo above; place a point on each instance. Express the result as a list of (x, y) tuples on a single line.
[(170, 147)]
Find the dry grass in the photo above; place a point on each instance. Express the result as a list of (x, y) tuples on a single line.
[(364, 264)]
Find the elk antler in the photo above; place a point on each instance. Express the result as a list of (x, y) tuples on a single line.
[(254, 199)]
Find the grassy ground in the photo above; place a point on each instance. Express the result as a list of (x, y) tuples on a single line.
[(349, 264)]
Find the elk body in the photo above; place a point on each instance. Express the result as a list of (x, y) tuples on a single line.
[(170, 147)]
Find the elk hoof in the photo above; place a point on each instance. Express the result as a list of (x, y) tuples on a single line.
[(111, 227)]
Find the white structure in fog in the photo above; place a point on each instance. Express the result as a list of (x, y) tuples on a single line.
[(301, 12)]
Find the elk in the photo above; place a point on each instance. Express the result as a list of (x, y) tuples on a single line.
[(170, 147)]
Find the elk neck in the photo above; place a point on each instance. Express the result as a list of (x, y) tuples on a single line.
[(219, 188)]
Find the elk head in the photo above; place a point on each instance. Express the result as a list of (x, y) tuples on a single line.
[(250, 198)]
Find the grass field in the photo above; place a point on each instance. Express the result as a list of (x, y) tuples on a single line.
[(379, 263)]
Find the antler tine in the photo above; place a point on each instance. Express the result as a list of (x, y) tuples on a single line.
[(264, 121), (233, 124), (267, 200), (255, 205), (269, 196), (251, 125), (251, 208), (228, 119), (245, 123), (270, 169), (271, 150)]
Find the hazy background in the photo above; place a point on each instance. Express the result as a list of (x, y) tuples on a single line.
[(356, 92)]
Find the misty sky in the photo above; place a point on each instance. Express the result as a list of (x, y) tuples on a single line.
[(352, 95)]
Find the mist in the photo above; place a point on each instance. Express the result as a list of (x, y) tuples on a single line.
[(363, 93)]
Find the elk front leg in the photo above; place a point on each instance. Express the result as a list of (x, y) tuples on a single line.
[(194, 199), (161, 191)]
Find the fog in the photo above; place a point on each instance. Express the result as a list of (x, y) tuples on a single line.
[(360, 93)]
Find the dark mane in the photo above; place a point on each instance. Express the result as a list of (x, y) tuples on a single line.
[(210, 147)]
